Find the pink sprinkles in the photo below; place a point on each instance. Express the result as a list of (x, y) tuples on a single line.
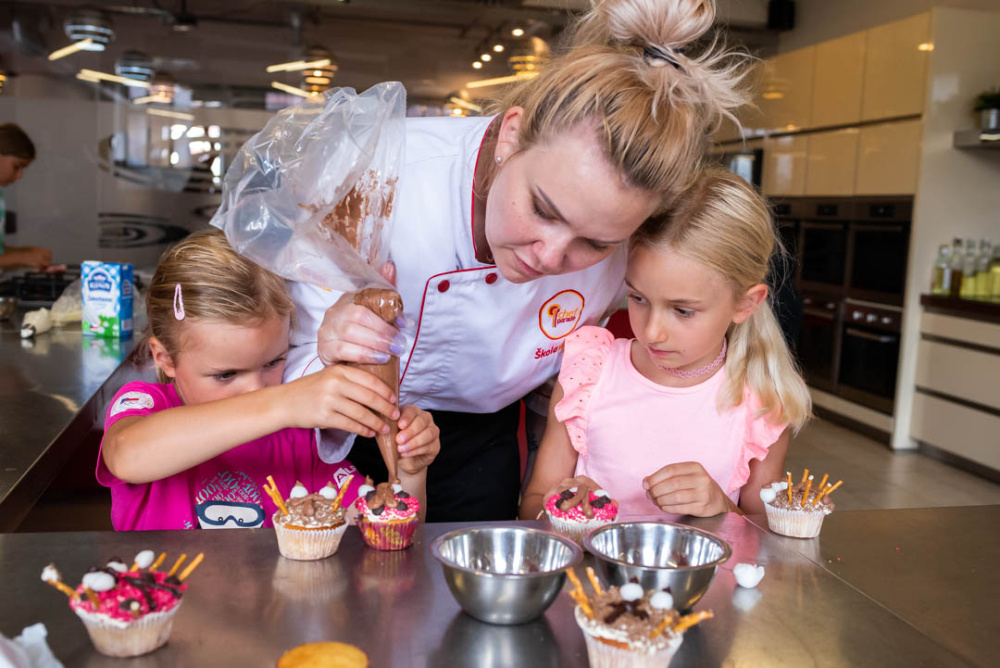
[(412, 508), (110, 602), (606, 514)]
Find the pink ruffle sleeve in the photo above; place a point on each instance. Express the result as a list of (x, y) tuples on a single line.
[(761, 433), (586, 351)]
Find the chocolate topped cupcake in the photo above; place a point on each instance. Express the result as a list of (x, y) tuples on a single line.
[(797, 510), (309, 526)]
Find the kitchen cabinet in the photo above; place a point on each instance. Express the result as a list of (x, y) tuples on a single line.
[(837, 81), (785, 165), (889, 158), (786, 90), (832, 162), (895, 70)]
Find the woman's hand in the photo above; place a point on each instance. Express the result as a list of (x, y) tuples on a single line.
[(339, 397), (418, 440), (353, 333), (686, 489)]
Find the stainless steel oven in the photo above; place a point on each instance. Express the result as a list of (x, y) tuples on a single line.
[(869, 354)]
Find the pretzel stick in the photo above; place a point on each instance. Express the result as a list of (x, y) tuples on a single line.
[(834, 488), (805, 474), (820, 495), (159, 560), (276, 498), (789, 475), (578, 593), (177, 564), (822, 483), (64, 588), (594, 581), (805, 496), (687, 621), (340, 494), (190, 567), (95, 603), (661, 627)]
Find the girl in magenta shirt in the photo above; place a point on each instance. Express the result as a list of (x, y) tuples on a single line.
[(195, 450), (694, 415)]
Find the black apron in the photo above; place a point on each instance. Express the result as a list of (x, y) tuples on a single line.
[(476, 476)]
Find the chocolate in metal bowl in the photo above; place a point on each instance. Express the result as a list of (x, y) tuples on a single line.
[(504, 574), (660, 555), (8, 305)]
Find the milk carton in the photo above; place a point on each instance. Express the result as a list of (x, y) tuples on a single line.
[(107, 299)]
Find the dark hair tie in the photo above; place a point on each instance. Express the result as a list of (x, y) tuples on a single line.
[(657, 55)]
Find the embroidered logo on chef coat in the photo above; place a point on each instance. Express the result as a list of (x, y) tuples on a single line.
[(131, 401), (561, 314)]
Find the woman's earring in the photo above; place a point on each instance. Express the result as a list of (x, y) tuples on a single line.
[(498, 159)]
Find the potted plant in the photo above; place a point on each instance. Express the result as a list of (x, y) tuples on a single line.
[(988, 106)]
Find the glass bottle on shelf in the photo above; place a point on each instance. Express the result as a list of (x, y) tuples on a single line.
[(969, 262), (942, 272), (983, 270), (995, 274), (957, 265)]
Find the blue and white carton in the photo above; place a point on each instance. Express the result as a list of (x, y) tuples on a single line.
[(107, 299)]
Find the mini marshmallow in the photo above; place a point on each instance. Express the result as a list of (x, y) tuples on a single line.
[(631, 591), (778, 486), (99, 581), (661, 600), (145, 559), (51, 574), (364, 490), (603, 493), (748, 575), (396, 489), (574, 489), (767, 495), (298, 491), (328, 492), (117, 566)]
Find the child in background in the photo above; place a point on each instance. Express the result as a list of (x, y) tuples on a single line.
[(694, 415), (17, 152), (196, 449)]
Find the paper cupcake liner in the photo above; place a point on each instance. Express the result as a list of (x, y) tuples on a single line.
[(575, 530), (794, 523), (388, 535), (113, 637), (308, 544), (603, 654)]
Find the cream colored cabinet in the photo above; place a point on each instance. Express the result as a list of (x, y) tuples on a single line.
[(896, 58), (832, 162), (784, 170), (786, 90), (889, 158), (838, 81)]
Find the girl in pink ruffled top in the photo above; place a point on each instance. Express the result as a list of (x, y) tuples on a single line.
[(700, 406)]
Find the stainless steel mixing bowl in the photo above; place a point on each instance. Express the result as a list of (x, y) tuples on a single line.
[(659, 555), (505, 574)]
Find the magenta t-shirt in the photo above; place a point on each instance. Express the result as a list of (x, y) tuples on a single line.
[(224, 492)]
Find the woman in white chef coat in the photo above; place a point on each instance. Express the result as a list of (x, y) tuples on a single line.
[(510, 233)]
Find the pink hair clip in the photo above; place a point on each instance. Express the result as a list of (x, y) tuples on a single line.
[(178, 302)]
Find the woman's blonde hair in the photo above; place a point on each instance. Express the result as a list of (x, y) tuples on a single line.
[(721, 222), (628, 73), (214, 282)]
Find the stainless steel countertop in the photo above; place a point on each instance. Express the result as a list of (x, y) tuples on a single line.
[(52, 392), (247, 605)]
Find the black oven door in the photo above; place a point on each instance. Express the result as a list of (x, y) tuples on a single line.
[(817, 344), (878, 263), (869, 361), (824, 254)]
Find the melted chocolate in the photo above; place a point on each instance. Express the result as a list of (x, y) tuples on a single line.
[(369, 496), (377, 511), (599, 502), (403, 495), (401, 506), (139, 584), (620, 608)]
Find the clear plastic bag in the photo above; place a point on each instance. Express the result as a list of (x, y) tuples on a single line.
[(69, 307), (310, 196)]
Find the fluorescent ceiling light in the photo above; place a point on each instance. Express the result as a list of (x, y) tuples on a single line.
[(517, 32), (82, 45), (465, 105), (289, 89), (91, 75), (499, 81), (159, 97), (170, 114), (298, 65)]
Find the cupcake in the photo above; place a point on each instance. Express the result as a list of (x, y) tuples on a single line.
[(797, 510), (576, 510), (324, 655), (309, 526), (127, 611), (387, 516), (627, 626)]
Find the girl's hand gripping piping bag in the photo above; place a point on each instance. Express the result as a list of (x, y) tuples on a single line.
[(310, 197)]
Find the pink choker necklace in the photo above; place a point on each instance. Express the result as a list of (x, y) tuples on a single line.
[(694, 373)]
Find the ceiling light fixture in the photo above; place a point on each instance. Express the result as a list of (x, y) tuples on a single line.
[(158, 98), (82, 45), (517, 32), (3, 79), (498, 48), (477, 65), (170, 114), (135, 65), (319, 78), (94, 76), (499, 81), (92, 24), (925, 46), (298, 65), (486, 57), (289, 89), (454, 99)]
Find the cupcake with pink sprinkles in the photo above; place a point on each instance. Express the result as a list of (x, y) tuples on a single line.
[(576, 510), (388, 516), (127, 611)]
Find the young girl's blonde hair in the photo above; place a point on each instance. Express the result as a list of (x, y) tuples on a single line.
[(629, 75), (722, 223), (215, 283)]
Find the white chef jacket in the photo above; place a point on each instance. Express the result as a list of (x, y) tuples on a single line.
[(481, 342)]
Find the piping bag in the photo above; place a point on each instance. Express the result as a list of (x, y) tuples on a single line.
[(310, 197)]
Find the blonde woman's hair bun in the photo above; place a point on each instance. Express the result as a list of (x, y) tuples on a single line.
[(664, 24)]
